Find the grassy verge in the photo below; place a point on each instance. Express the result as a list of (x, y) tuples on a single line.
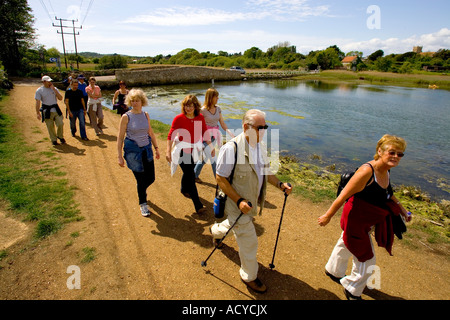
[(32, 183), (430, 224), (418, 80)]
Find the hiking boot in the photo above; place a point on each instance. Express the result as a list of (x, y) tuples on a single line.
[(144, 210), (55, 143), (256, 285), (63, 141)]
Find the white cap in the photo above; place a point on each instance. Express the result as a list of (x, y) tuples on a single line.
[(46, 78)]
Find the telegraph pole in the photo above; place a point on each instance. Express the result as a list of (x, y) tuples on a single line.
[(72, 33)]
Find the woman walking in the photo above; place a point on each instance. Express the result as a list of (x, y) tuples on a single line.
[(95, 106), (213, 116), (188, 132), (120, 94), (370, 205), (136, 137)]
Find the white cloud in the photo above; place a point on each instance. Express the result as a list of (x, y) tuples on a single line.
[(290, 10), (429, 42), (279, 10), (188, 16)]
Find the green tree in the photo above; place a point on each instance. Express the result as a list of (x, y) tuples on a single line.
[(114, 61), (377, 54), (17, 34)]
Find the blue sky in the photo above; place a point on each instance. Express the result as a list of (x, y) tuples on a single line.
[(149, 28)]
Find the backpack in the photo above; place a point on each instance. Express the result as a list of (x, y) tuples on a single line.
[(345, 178)]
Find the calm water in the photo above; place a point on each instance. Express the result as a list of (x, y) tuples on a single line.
[(340, 123)]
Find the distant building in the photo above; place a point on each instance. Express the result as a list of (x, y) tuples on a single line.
[(349, 62), (417, 49)]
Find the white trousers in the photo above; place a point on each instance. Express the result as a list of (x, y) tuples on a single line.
[(337, 266), (245, 234)]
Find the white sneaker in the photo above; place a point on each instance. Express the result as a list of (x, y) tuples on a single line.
[(144, 210)]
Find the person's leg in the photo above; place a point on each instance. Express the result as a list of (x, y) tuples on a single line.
[(50, 123), (73, 120), (338, 261), (188, 180), (357, 280), (59, 121), (100, 117), (93, 119), (82, 122)]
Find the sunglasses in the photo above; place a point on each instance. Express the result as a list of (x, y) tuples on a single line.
[(261, 127), (399, 154)]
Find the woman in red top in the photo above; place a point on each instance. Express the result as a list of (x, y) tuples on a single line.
[(188, 132)]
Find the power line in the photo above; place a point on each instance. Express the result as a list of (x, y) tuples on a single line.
[(87, 11), (46, 10)]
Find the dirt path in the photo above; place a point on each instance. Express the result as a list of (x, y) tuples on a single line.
[(159, 257)]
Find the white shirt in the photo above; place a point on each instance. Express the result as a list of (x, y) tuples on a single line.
[(47, 96)]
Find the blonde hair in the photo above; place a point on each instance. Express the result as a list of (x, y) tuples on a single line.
[(209, 96), (134, 94), (389, 141), (190, 98)]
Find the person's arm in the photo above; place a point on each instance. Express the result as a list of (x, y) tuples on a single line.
[(66, 101), (356, 184), (120, 138), (273, 180), (38, 111), (56, 91), (115, 97), (152, 135), (404, 212), (226, 187), (224, 126)]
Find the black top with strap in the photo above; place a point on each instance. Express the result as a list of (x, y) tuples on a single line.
[(374, 193)]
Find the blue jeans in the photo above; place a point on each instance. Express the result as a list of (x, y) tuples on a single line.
[(79, 114), (199, 165)]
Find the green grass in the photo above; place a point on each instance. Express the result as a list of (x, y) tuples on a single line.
[(416, 80), (31, 183)]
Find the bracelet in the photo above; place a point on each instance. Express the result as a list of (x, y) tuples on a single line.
[(239, 201), (156, 148)]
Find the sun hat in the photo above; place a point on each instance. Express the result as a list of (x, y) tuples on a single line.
[(46, 78)]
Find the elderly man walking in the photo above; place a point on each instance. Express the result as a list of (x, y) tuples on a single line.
[(50, 113), (251, 175)]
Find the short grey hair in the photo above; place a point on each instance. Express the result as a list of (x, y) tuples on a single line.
[(249, 117)]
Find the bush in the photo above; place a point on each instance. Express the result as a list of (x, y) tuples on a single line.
[(113, 62)]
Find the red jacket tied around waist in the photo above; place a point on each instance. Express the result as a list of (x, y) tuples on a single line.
[(357, 219)]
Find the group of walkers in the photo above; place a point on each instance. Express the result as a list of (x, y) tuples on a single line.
[(81, 99), (242, 172)]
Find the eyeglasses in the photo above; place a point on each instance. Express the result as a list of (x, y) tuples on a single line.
[(260, 127), (393, 153)]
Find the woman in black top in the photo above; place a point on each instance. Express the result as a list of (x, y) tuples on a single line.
[(370, 183)]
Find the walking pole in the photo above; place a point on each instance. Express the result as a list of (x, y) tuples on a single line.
[(221, 240), (271, 265)]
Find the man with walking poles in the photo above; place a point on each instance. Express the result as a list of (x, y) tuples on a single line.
[(246, 192)]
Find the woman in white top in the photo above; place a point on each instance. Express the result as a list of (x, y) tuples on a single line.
[(213, 116)]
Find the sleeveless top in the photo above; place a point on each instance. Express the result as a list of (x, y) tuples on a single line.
[(374, 194), (137, 128)]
